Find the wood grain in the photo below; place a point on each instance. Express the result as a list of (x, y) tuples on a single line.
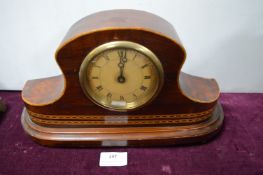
[(127, 136), (58, 102)]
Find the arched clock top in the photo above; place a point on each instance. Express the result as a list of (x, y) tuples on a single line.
[(121, 82)]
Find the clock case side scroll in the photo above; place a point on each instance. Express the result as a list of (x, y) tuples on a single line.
[(61, 100)]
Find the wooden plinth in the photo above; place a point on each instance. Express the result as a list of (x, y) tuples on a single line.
[(128, 136), (57, 112)]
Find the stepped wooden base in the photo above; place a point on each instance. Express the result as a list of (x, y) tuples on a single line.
[(128, 136)]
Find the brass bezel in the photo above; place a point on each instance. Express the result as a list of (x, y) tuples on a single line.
[(112, 45)]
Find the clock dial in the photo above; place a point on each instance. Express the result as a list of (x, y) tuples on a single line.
[(121, 76)]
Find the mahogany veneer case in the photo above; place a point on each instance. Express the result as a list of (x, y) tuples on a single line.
[(59, 112)]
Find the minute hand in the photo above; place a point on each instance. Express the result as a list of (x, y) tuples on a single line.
[(123, 60)]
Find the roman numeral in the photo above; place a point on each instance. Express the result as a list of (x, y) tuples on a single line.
[(121, 98), (95, 77), (109, 95), (106, 57), (135, 56), (144, 66), (147, 77), (143, 88), (93, 62), (99, 88), (122, 53)]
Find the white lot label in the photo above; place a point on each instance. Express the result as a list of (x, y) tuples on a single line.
[(113, 158), (118, 103)]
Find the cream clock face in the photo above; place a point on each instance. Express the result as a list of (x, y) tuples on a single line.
[(121, 75)]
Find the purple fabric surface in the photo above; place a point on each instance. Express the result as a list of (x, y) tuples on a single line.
[(237, 150)]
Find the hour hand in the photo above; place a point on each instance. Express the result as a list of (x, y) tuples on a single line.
[(121, 64)]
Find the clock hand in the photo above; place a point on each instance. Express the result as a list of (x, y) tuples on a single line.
[(121, 64), (121, 78)]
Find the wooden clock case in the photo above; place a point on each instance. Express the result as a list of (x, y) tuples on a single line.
[(58, 113)]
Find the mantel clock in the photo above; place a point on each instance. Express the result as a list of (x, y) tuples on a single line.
[(121, 85)]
